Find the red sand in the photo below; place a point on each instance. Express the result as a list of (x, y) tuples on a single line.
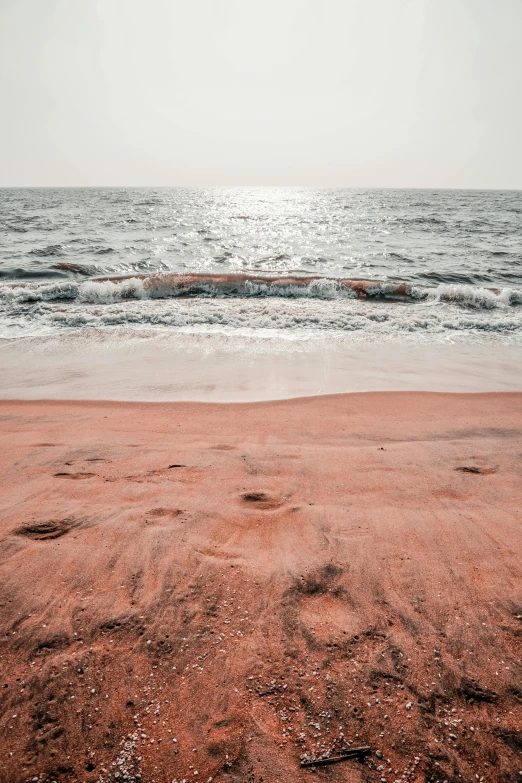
[(258, 582)]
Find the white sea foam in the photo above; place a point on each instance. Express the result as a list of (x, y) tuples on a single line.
[(285, 315), (18, 293), (469, 295), (107, 291)]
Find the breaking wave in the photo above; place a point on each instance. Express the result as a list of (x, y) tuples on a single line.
[(111, 290)]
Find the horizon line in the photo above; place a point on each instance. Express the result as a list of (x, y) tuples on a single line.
[(273, 187)]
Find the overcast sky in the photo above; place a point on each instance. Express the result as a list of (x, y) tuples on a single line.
[(420, 93)]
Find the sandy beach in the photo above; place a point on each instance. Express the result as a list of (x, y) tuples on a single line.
[(199, 591)]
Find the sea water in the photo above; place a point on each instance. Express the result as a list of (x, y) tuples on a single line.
[(252, 293)]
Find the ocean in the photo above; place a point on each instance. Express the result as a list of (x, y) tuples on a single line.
[(174, 274)]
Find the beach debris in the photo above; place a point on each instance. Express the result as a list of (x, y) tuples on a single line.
[(74, 476), (344, 755), (475, 469)]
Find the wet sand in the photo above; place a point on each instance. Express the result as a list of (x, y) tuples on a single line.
[(146, 365), (223, 589)]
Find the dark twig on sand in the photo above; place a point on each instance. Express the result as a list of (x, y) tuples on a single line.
[(351, 753)]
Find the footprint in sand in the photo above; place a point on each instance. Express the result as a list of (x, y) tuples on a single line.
[(165, 512), (162, 515), (261, 500), (45, 531)]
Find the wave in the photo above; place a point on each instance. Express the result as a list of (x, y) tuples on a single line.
[(69, 266), (50, 250), (436, 278), (44, 273), (118, 289)]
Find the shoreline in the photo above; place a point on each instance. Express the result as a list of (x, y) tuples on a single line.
[(147, 366), (262, 582), (253, 403)]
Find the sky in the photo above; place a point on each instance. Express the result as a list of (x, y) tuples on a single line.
[(349, 93)]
